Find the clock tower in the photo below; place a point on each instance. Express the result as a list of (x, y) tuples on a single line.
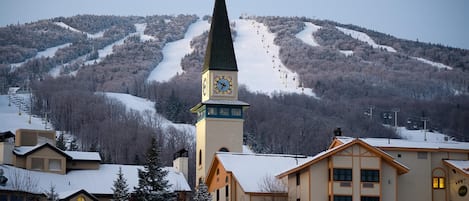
[(220, 118)]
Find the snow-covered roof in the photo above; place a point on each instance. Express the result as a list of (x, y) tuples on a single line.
[(74, 155), (250, 170), (84, 156), (462, 166), (93, 181), (409, 144), (68, 194), (402, 169)]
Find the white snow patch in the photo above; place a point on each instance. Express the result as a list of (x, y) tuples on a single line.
[(49, 52), (307, 34), (141, 31), (10, 117), (66, 26), (147, 110), (173, 53), (421, 135), (435, 64), (365, 38), (260, 68), (347, 53)]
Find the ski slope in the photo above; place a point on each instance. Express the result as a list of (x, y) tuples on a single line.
[(92, 36), (174, 52), (13, 116), (365, 38), (307, 34)]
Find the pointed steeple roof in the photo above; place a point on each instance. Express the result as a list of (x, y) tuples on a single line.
[(220, 52)]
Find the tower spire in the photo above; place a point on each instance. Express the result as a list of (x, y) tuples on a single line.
[(220, 52)]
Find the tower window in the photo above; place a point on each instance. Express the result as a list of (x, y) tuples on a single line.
[(368, 198), (298, 180), (224, 149), (342, 198), (225, 111), (200, 157), (236, 112)]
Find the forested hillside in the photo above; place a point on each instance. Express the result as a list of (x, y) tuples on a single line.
[(358, 91)]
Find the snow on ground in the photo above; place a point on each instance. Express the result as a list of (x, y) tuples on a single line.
[(421, 135), (365, 38), (174, 52), (260, 68), (141, 31), (66, 26), (49, 52), (435, 64), (97, 181), (347, 53), (146, 107), (307, 34), (10, 120)]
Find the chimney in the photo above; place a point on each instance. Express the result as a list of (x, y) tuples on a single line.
[(337, 132), (181, 162)]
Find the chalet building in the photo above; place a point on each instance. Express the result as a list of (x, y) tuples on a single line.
[(31, 164), (351, 169)]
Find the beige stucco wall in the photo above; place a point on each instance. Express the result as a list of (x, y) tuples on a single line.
[(218, 133), (27, 137), (82, 165), (319, 181), (6, 152), (388, 183), (47, 154), (417, 184), (457, 179)]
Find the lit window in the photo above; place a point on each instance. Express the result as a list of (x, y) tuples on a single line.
[(438, 182)]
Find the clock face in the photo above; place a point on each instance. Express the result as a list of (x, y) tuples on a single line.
[(223, 85)]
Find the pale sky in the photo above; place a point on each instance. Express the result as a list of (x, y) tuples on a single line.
[(437, 21)]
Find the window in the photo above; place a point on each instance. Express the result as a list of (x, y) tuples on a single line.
[(422, 155), (298, 180), (37, 163), (438, 182), (55, 165), (366, 198), (200, 157), (342, 198), (227, 190), (212, 111), (224, 111), (236, 112), (369, 175), (224, 149), (218, 194), (342, 174)]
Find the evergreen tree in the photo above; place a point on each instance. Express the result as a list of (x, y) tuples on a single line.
[(120, 188), (152, 184), (61, 143), (202, 193), (73, 145)]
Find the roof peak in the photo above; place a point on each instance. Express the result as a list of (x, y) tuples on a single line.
[(220, 54)]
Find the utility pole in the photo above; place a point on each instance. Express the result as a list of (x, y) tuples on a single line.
[(424, 128), (395, 110)]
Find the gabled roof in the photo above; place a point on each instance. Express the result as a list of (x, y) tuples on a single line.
[(70, 155), (390, 144), (401, 169), (26, 150), (250, 170), (67, 195), (460, 166), (220, 52)]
